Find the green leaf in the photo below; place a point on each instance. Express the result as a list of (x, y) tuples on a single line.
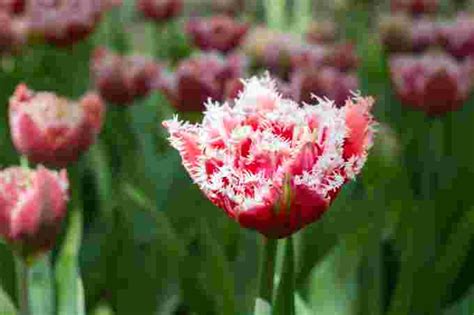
[(301, 307), (285, 299), (333, 287), (465, 306), (70, 291), (103, 309), (207, 279), (6, 304), (41, 287)]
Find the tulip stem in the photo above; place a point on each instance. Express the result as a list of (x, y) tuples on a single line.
[(22, 285), (263, 303)]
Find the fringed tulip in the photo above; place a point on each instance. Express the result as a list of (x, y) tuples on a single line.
[(271, 164), (221, 33), (120, 80), (435, 84), (33, 204), (52, 130), (160, 10)]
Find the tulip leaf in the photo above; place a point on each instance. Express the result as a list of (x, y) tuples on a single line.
[(40, 286), (301, 307), (465, 305), (70, 291), (207, 279), (333, 283), (103, 309), (6, 304), (285, 299)]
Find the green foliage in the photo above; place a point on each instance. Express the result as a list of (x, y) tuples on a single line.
[(142, 239)]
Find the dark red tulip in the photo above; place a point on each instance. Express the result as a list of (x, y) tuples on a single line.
[(160, 10), (221, 33), (435, 84)]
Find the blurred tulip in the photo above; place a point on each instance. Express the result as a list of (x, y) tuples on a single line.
[(120, 80), (342, 56), (270, 164), (64, 23), (280, 53), (435, 84), (52, 130), (307, 56), (424, 34), (202, 77), (414, 7), (395, 33), (220, 32), (160, 10), (325, 82), (33, 204), (13, 6), (13, 33), (457, 37), (324, 32), (229, 7)]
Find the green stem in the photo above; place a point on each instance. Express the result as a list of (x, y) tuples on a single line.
[(263, 303), (284, 300), (22, 284)]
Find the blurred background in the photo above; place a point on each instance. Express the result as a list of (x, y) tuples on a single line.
[(396, 241)]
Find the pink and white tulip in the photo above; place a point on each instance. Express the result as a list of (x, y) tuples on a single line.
[(271, 164)]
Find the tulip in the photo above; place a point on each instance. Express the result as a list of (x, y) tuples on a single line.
[(229, 7), (13, 33), (323, 82), (64, 23), (202, 77), (324, 32), (53, 130), (414, 7), (160, 10), (272, 165), (457, 37), (33, 204), (120, 80), (435, 84), (220, 32), (13, 6)]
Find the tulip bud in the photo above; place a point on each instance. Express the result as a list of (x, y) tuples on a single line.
[(433, 83), (160, 10), (220, 32), (33, 204), (120, 80), (52, 130)]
